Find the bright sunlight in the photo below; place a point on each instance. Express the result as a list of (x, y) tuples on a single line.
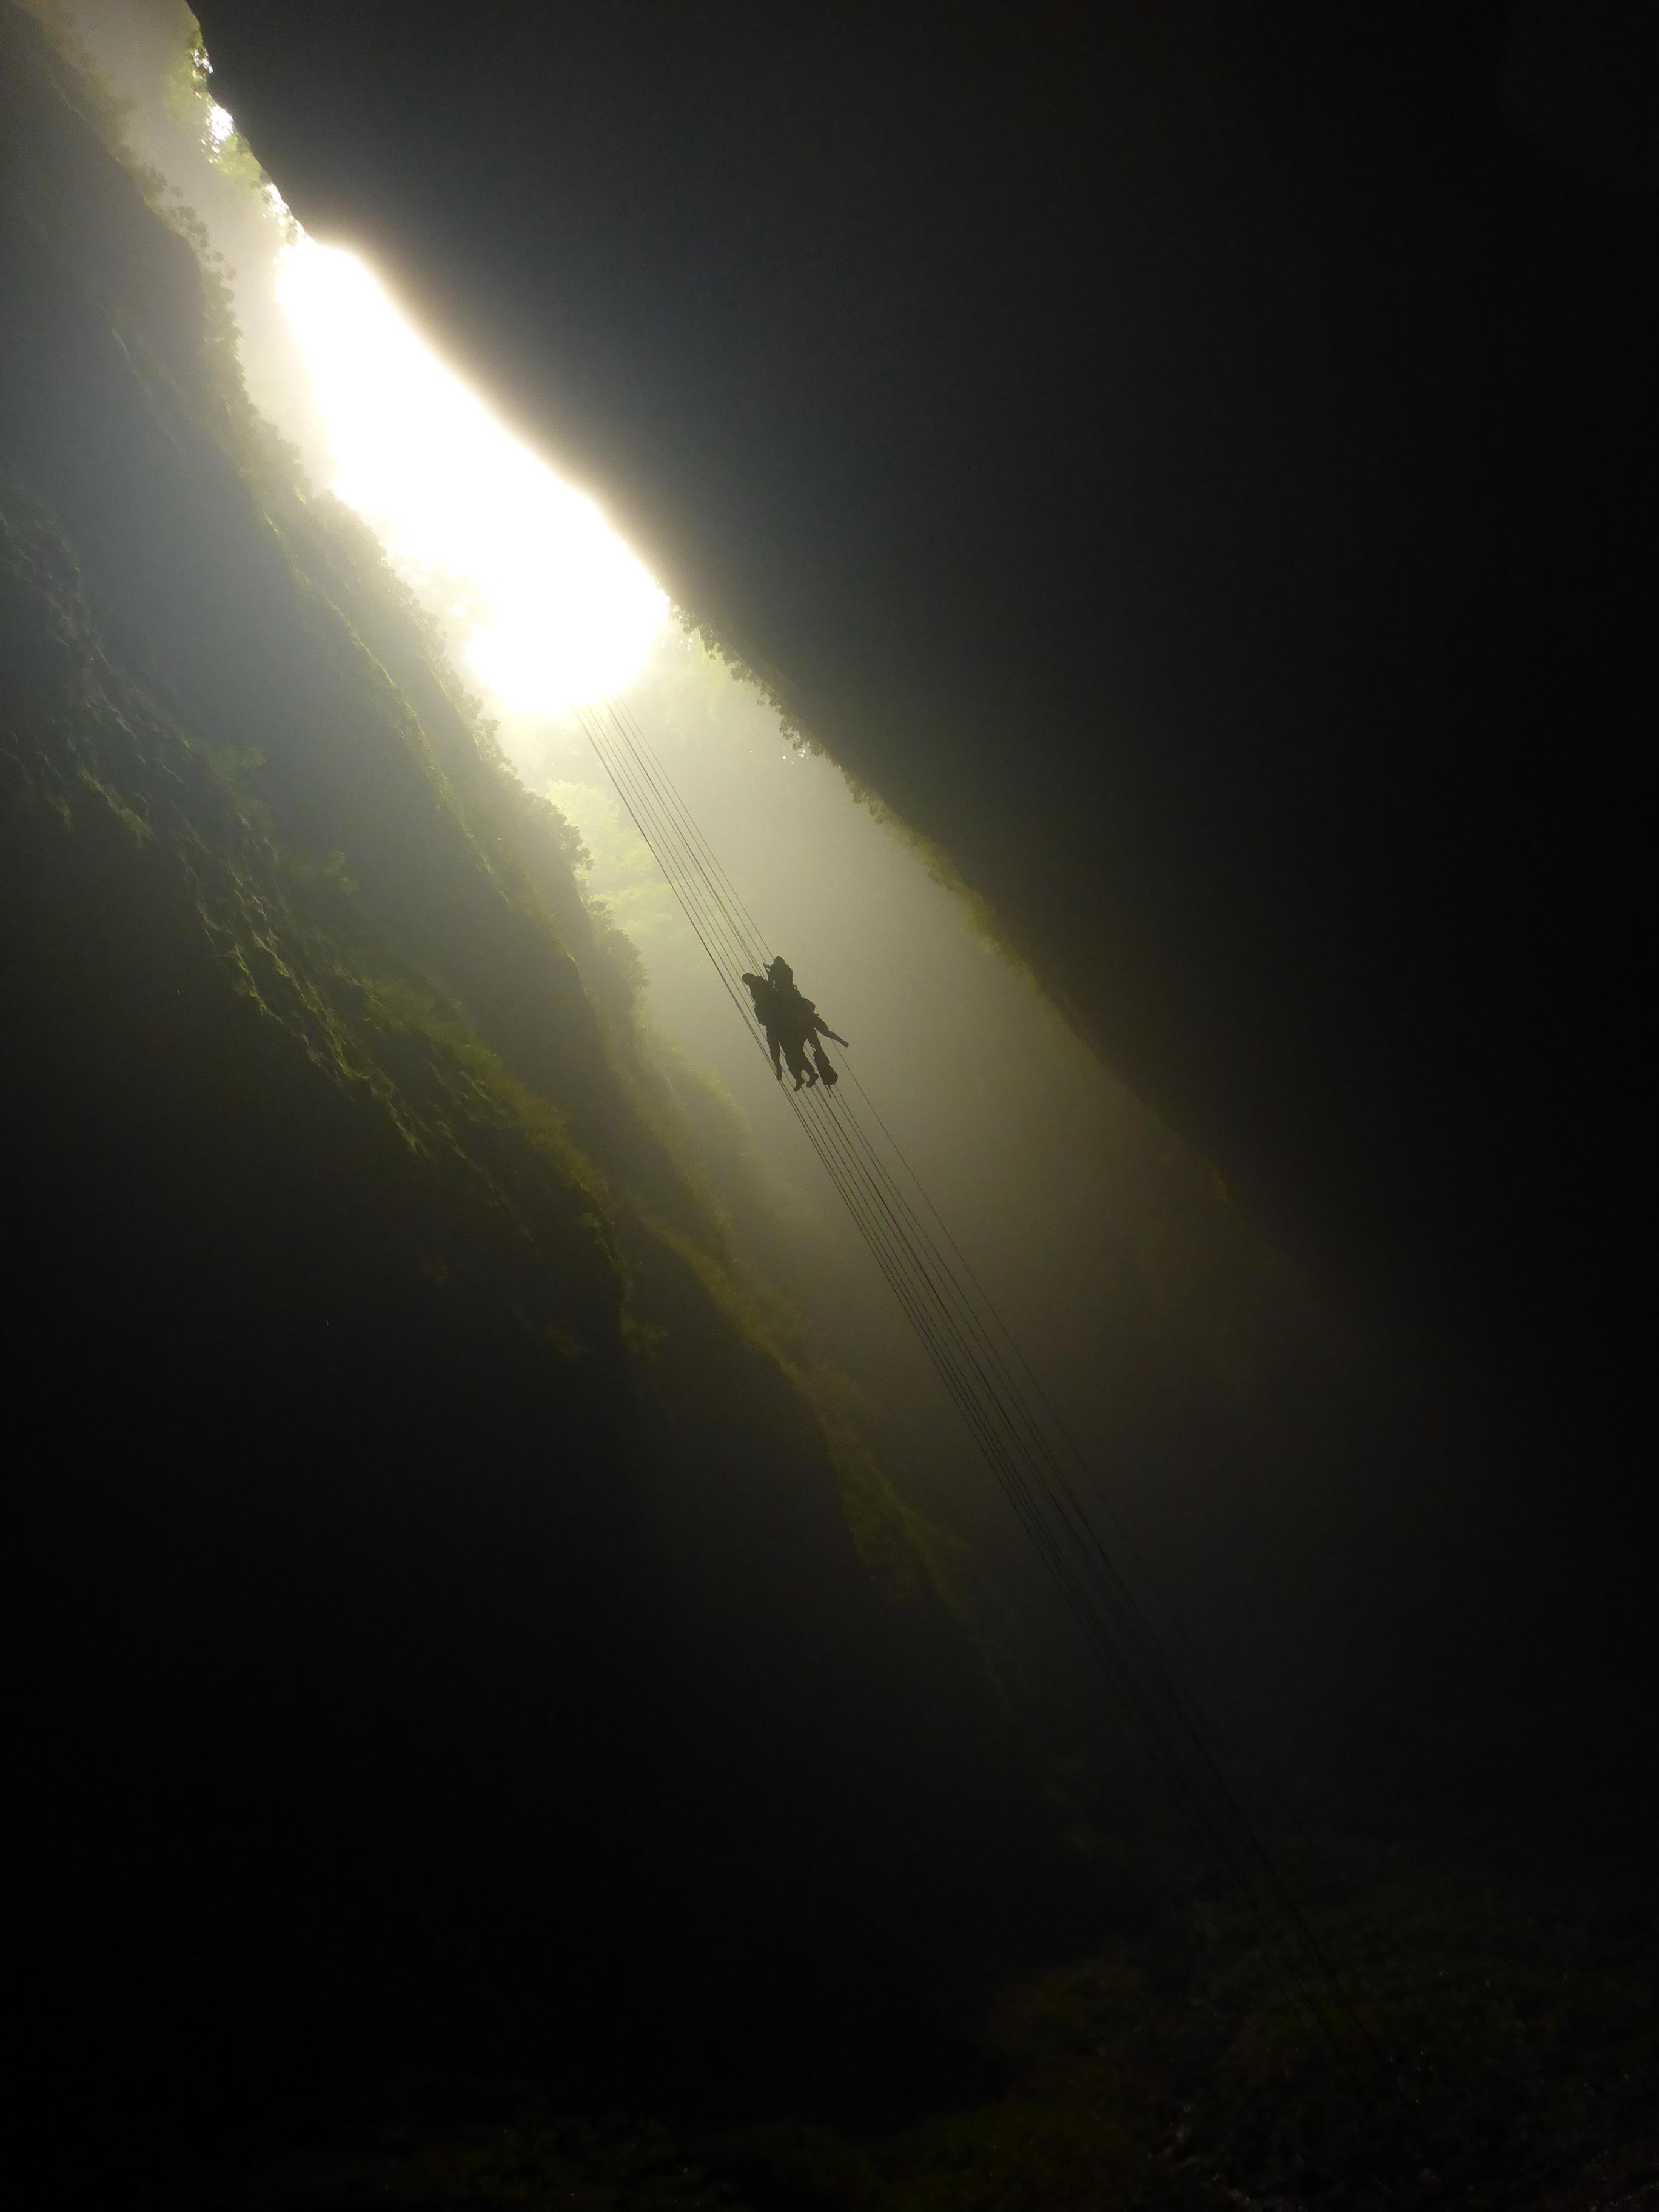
[(556, 609)]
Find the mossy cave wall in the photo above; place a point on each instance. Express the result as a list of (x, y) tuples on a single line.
[(446, 1610)]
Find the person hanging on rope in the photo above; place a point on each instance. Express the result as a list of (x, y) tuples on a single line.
[(815, 1028), (766, 1014), (780, 1032), (799, 1027)]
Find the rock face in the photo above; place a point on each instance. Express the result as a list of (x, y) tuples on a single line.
[(446, 1648)]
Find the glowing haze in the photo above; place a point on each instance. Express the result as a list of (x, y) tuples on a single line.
[(555, 608)]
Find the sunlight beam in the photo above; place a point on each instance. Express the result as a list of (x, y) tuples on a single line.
[(556, 609)]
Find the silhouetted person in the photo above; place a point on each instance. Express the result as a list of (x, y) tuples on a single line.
[(766, 1014), (797, 1028), (785, 1038), (815, 1029)]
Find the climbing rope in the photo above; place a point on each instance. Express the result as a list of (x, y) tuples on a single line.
[(1040, 1470)]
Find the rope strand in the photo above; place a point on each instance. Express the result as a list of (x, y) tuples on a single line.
[(1040, 1470)]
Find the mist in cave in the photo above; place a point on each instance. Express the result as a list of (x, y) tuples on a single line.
[(612, 1511)]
